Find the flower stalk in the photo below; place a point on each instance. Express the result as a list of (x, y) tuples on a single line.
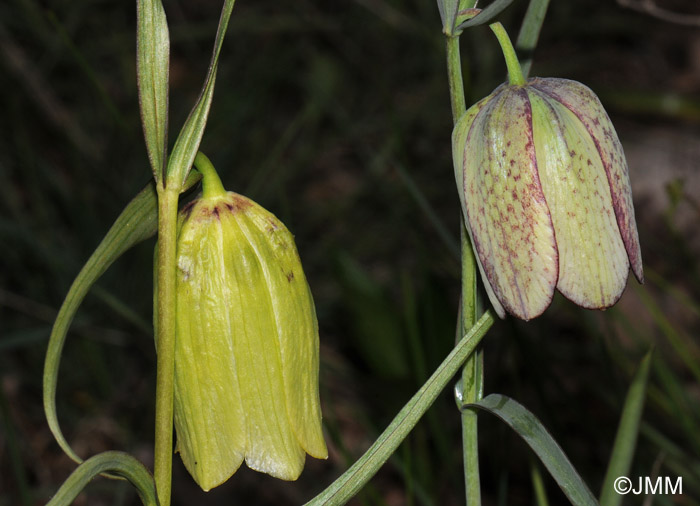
[(515, 73)]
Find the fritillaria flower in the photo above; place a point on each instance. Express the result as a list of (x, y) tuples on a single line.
[(546, 197), (247, 349)]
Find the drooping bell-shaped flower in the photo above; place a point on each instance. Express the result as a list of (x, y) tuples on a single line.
[(247, 349), (546, 197)]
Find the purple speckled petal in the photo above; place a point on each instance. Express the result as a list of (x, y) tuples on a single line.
[(580, 100), (460, 135), (506, 210), (593, 263)]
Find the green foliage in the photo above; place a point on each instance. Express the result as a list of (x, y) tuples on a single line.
[(331, 103), (627, 431), (119, 463)]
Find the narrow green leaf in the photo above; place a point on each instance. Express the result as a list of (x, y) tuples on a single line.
[(486, 15), (152, 71), (187, 143), (117, 463), (137, 222), (528, 427), (530, 33), (347, 485), (627, 432)]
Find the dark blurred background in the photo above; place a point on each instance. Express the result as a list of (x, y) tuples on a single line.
[(335, 116)]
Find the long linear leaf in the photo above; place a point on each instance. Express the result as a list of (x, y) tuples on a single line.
[(627, 432), (486, 15), (118, 463), (152, 74), (137, 222), (187, 143), (528, 427), (530, 33), (347, 485)]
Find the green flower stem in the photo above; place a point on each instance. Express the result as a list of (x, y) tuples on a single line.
[(211, 183), (347, 485), (515, 73), (472, 372), (165, 340)]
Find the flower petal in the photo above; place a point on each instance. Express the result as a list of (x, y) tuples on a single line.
[(209, 419), (459, 153), (581, 101), (272, 447), (506, 209), (593, 264), (297, 330)]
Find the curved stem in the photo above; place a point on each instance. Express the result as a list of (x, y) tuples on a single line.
[(211, 183), (515, 73), (165, 340)]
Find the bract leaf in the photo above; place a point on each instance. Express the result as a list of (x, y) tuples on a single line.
[(187, 143), (152, 71), (528, 427), (448, 14), (487, 14), (137, 222)]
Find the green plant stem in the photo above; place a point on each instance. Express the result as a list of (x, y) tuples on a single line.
[(515, 73), (165, 340), (454, 76), (472, 373)]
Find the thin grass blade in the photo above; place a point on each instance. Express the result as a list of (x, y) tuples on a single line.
[(627, 432)]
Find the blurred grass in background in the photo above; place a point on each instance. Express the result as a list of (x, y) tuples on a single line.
[(335, 116)]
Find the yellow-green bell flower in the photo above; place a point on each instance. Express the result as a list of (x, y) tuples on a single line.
[(247, 349), (546, 196)]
